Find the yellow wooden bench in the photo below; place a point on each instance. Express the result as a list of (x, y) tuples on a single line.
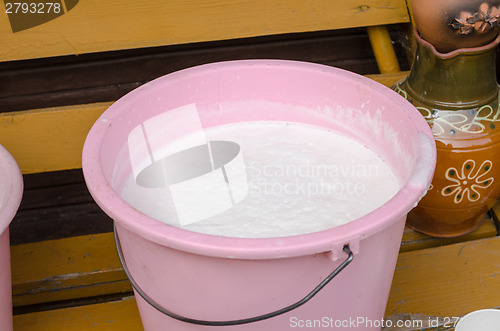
[(77, 283)]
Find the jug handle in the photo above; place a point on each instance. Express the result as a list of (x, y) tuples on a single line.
[(150, 301)]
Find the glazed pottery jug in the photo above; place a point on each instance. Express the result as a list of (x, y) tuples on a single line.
[(455, 24), (457, 93)]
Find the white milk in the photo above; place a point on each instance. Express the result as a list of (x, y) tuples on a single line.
[(299, 179)]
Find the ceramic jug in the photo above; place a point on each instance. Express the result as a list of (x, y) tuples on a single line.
[(457, 93)]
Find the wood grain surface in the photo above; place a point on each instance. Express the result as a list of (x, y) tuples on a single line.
[(96, 26), (442, 281)]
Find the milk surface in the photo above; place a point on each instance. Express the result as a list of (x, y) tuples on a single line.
[(299, 179)]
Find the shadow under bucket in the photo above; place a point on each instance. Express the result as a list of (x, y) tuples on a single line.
[(11, 190), (217, 280)]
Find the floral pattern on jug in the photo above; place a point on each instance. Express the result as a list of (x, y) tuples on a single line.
[(468, 182), (472, 121)]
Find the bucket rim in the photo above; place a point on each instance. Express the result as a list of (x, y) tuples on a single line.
[(14, 186), (259, 248)]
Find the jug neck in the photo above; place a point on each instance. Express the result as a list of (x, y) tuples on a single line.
[(464, 78)]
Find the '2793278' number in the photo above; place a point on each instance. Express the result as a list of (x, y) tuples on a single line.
[(32, 7)]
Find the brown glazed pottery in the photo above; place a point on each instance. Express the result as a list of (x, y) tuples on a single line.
[(454, 24), (457, 93)]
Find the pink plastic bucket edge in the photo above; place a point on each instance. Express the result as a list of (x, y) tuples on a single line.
[(12, 181), (329, 240), (15, 181)]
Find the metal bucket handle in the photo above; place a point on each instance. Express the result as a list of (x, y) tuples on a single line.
[(299, 303)]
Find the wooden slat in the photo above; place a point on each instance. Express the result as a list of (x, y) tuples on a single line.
[(56, 205), (58, 222), (383, 49), (101, 77), (141, 65), (410, 9), (60, 178), (413, 240), (95, 26), (48, 139), (56, 195), (447, 281), (65, 269), (52, 139), (84, 266), (390, 78), (124, 316), (121, 315)]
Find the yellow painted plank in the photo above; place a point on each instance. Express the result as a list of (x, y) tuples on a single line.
[(87, 266), (410, 9), (383, 50), (65, 269), (443, 281), (389, 79), (48, 139), (94, 26), (121, 315), (413, 240), (447, 281), (51, 139)]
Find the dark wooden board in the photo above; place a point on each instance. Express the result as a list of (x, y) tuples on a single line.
[(108, 76), (58, 222), (57, 205)]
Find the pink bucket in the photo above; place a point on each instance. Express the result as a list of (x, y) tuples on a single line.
[(186, 280), (11, 189)]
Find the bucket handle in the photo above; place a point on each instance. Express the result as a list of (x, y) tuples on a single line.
[(154, 304)]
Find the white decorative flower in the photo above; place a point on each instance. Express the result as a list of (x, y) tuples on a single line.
[(468, 182)]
